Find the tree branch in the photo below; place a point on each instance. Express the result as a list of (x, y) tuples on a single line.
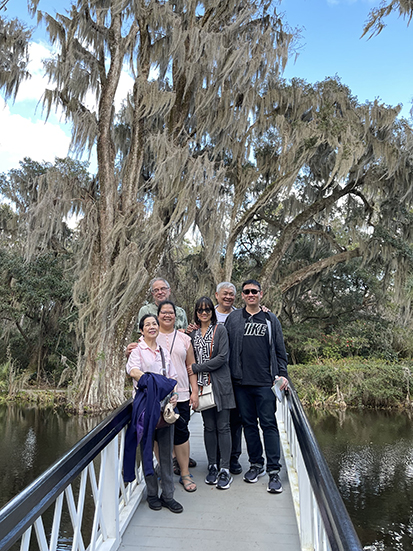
[(300, 275)]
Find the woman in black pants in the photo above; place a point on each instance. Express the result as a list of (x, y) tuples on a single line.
[(210, 343)]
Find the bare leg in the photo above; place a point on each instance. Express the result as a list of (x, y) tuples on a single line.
[(182, 455)]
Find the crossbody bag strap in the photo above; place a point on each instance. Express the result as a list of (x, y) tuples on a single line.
[(173, 342), (212, 340), (210, 351), (163, 361)]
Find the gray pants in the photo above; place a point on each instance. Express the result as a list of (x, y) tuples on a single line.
[(165, 439)]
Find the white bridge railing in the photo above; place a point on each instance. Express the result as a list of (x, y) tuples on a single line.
[(323, 521), (82, 502), (59, 504)]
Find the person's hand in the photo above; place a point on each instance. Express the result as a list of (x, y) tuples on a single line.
[(174, 400), (193, 399), (189, 370), (129, 348), (192, 327), (265, 309), (284, 385)]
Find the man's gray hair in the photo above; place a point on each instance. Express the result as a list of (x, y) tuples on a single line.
[(155, 279), (226, 285)]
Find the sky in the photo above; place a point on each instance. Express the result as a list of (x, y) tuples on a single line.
[(330, 44)]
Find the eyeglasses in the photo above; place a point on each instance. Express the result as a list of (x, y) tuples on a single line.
[(206, 310), (160, 290), (252, 291), (166, 313)]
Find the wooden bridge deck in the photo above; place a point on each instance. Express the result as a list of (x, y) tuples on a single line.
[(243, 518)]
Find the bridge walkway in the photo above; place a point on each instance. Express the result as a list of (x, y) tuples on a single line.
[(243, 518)]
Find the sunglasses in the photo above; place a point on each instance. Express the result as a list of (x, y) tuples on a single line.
[(206, 310), (252, 291)]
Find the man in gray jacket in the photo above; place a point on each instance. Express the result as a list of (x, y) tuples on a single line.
[(257, 357)]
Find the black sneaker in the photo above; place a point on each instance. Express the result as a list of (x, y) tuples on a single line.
[(235, 467), (154, 503), (171, 504), (274, 484), (253, 474), (224, 480), (212, 476)]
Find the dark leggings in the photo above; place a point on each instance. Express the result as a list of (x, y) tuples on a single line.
[(217, 430)]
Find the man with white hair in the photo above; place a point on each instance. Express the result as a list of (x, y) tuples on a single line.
[(225, 295), (161, 291)]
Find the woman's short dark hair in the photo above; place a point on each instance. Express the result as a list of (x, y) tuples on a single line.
[(205, 302), (145, 317), (166, 302)]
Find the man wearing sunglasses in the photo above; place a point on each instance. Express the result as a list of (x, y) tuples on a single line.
[(257, 357), (161, 291)]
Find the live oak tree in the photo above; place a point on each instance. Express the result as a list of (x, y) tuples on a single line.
[(319, 160), (196, 68), (208, 137), (37, 316), (14, 57), (376, 19), (375, 22)]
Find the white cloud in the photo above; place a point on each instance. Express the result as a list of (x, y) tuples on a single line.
[(20, 137), (24, 132), (33, 88), (125, 86)]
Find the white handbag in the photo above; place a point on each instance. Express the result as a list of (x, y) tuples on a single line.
[(206, 398)]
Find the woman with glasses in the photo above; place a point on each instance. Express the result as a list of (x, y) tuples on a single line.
[(180, 349), (210, 343)]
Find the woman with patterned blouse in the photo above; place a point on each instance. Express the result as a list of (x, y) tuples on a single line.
[(210, 343)]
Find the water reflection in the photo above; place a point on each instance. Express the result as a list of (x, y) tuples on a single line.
[(370, 454), (31, 439)]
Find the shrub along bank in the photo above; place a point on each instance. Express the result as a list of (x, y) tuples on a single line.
[(347, 382), (353, 382)]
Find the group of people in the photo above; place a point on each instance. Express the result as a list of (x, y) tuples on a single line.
[(241, 353)]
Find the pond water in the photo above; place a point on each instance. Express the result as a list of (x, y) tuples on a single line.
[(370, 454), (32, 439)]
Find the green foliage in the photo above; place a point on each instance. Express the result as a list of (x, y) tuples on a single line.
[(363, 338), (348, 311), (36, 313), (353, 382), (4, 376)]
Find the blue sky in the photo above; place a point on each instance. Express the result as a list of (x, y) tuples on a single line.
[(329, 45)]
